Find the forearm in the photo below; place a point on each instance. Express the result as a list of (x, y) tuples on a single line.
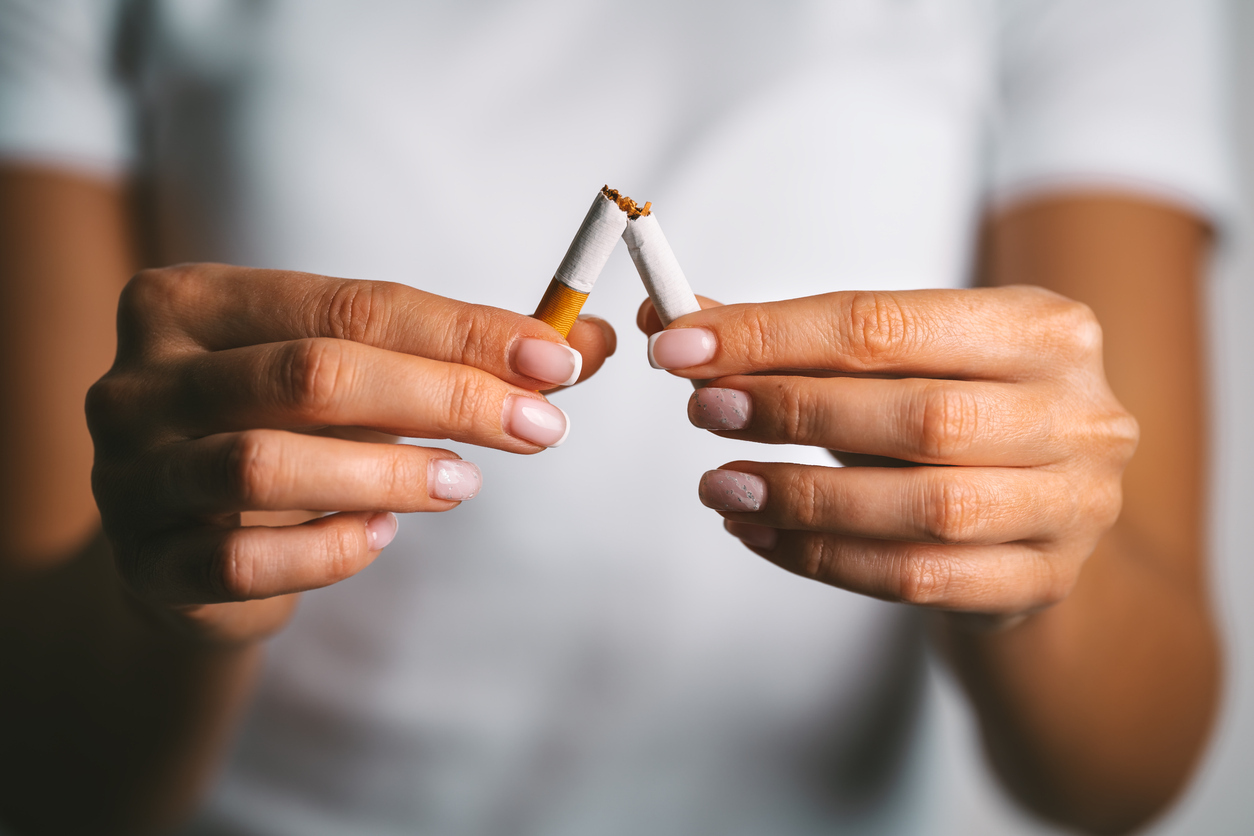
[(110, 717), (1094, 711), (114, 717)]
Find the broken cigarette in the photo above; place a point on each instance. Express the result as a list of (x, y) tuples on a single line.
[(658, 268), (585, 258)]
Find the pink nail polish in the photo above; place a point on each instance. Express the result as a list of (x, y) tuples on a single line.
[(720, 409), (756, 536), (682, 348), (453, 479), (536, 421), (547, 361), (381, 529), (730, 490)]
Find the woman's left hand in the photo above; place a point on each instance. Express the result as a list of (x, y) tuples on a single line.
[(994, 401)]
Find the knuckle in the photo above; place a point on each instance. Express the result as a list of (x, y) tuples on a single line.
[(472, 329), (253, 468), (795, 419), (158, 288), (150, 297), (232, 572), (948, 421), (405, 474), (1074, 329), (1124, 433), (316, 370), (809, 501), (817, 559), (756, 332), (467, 400), (1054, 583), (1108, 504), (357, 310), (924, 578), (343, 547), (105, 406), (878, 326), (952, 513)]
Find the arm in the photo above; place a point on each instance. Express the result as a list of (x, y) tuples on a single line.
[(126, 659), (1096, 693), (1095, 711), (111, 723)]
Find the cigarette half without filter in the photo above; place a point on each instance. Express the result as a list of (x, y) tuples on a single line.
[(658, 268), (585, 258)]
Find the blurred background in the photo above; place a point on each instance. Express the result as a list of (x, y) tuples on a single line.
[(1221, 800)]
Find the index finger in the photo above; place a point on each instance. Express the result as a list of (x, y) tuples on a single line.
[(218, 306), (984, 333)]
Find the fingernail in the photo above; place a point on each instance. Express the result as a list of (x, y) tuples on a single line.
[(730, 490), (682, 348), (548, 361), (720, 409), (453, 479), (751, 534), (381, 529), (537, 421)]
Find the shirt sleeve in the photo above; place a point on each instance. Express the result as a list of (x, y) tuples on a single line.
[(62, 101), (1127, 94)]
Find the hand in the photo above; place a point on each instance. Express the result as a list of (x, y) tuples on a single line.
[(221, 375), (995, 398)]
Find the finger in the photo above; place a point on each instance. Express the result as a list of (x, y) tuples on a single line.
[(271, 470), (946, 505), (312, 383), (595, 340), (986, 579), (650, 323), (1005, 333), (219, 307), (914, 419), (216, 564)]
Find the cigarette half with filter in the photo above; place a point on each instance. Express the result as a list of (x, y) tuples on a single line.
[(585, 258), (658, 268)]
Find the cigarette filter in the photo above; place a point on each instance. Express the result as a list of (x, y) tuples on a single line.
[(658, 268), (585, 258)]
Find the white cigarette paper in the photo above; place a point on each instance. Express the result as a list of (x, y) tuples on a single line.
[(599, 232), (659, 269)]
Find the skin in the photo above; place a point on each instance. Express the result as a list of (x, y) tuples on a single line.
[(205, 499), (1068, 577), (1093, 708)]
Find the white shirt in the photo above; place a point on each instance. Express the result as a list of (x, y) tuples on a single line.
[(582, 649)]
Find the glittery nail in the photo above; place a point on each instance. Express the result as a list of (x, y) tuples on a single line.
[(729, 490), (720, 409)]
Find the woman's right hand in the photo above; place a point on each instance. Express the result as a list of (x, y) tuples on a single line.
[(221, 375)]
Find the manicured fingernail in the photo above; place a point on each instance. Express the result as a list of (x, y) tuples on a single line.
[(453, 479), (548, 361), (537, 421), (730, 490), (720, 409), (751, 534), (682, 348), (381, 529)]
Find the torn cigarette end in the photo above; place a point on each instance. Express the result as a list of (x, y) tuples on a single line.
[(585, 258), (627, 204)]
